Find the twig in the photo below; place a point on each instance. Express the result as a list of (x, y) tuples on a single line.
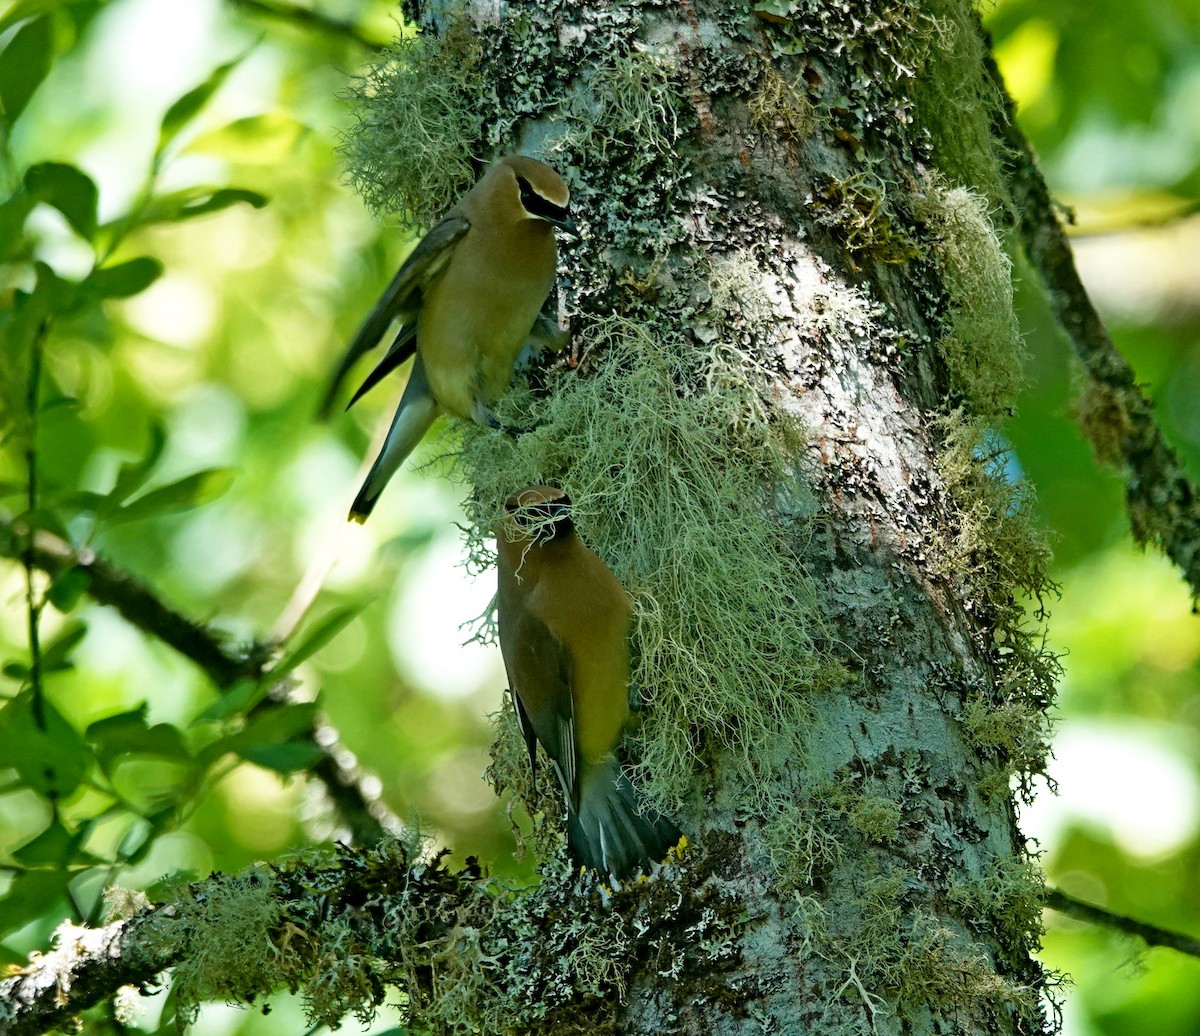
[(367, 818), (33, 608), (309, 19), (1163, 222), (1058, 900), (1116, 415)]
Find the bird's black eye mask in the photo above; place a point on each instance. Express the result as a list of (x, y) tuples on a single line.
[(536, 205), (545, 520)]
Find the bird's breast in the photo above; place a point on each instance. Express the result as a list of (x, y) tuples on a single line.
[(477, 316)]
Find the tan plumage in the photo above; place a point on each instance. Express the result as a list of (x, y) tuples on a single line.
[(467, 299), (564, 626)]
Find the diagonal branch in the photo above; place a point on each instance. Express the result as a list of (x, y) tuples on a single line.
[(1116, 415), (1151, 934), (359, 808)]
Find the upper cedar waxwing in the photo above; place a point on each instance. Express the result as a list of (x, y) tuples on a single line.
[(564, 623), (467, 299)]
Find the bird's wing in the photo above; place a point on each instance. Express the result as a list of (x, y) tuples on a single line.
[(402, 347), (540, 671), (401, 301)]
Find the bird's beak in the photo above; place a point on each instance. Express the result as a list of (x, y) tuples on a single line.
[(567, 226)]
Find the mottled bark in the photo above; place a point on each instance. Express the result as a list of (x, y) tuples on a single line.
[(787, 245)]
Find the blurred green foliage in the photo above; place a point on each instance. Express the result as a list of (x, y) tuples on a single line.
[(179, 261), (1108, 94)]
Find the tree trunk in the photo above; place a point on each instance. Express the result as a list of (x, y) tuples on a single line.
[(791, 315), (792, 342)]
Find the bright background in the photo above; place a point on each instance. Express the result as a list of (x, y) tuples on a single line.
[(228, 350)]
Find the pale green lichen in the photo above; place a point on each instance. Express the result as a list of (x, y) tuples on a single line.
[(982, 347), (781, 108), (629, 104), (670, 462), (418, 125), (227, 926)]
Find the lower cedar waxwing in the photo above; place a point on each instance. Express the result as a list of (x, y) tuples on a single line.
[(564, 624), (467, 299)]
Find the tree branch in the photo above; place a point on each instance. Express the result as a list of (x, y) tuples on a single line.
[(1152, 935), (1114, 412), (86, 966), (348, 924), (367, 818)]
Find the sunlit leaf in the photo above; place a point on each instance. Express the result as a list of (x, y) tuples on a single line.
[(24, 63), (256, 140), (193, 490), (124, 279), (67, 189), (317, 636), (54, 845), (189, 106)]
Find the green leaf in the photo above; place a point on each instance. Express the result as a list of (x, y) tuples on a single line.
[(52, 758), (13, 213), (196, 201), (67, 189), (54, 845), (266, 139), (57, 654), (33, 894), (287, 757), (23, 9), (68, 588), (16, 670), (276, 725), (189, 105), (127, 733), (317, 636), (222, 198), (24, 63), (242, 696), (124, 279), (193, 490), (134, 473)]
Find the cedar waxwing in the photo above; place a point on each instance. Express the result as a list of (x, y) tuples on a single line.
[(467, 299), (564, 623)]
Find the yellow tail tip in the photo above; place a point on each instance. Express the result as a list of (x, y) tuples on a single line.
[(357, 517)]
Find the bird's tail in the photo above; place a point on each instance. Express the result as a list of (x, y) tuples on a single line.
[(612, 832), (417, 411)]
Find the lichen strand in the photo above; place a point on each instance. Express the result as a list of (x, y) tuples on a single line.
[(227, 926), (669, 451), (417, 140), (981, 346)]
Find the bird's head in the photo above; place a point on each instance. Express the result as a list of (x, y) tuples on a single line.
[(540, 513), (542, 192)]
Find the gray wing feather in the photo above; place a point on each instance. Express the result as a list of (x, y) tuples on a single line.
[(401, 300)]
